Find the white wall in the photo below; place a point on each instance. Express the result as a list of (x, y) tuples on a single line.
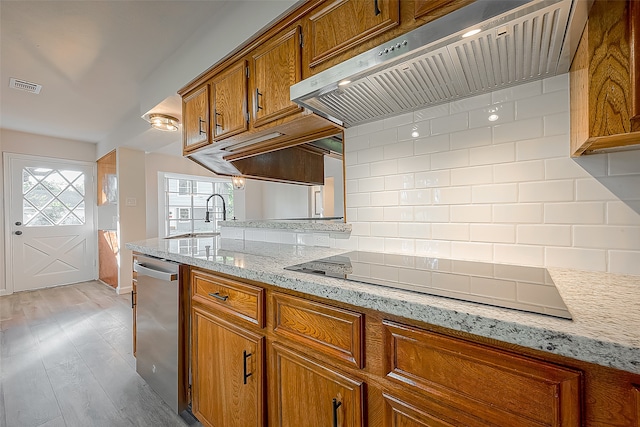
[(131, 209), (504, 191), (334, 168), (37, 145), (284, 201)]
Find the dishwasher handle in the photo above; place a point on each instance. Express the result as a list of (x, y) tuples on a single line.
[(156, 274)]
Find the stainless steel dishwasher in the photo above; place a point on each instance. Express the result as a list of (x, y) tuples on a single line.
[(161, 335)]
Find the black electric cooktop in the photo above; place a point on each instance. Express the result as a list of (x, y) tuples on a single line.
[(509, 286)]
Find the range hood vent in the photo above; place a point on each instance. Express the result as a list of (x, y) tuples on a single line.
[(519, 41)]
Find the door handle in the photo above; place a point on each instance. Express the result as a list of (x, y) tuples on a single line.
[(18, 233), (336, 405), (245, 375)]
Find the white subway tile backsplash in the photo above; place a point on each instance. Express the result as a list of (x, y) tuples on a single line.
[(288, 237), (450, 159), (449, 124), (563, 168), (450, 231), (370, 214), (546, 191), (624, 163), (518, 130), (526, 90), (474, 175), (493, 233), (432, 213), (589, 189), (431, 113), (370, 155), (581, 259), (257, 235), (474, 251), (398, 150), (542, 148), (624, 262), (398, 213), (518, 254), (383, 137), (574, 213), (518, 172), (492, 154), (477, 137), (606, 236), (494, 193), (446, 182), (394, 122), (232, 233), (471, 213), (549, 103), (432, 144), (415, 197), (272, 236), (413, 131), (415, 163), (369, 128), (414, 230), (385, 229), (451, 195), (494, 115), (385, 198), (557, 124), (368, 185), (358, 171), (518, 213), (387, 167), (468, 104), (399, 246), (440, 178), (549, 235), (399, 182), (620, 213)]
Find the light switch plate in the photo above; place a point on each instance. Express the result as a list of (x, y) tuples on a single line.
[(131, 201)]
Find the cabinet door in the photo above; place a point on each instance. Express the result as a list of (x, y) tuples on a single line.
[(311, 394), (195, 119), (343, 24), (229, 103), (227, 373), (276, 67)]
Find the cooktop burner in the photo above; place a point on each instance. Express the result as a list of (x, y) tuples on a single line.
[(509, 286)]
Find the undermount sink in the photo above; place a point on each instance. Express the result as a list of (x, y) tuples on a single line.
[(192, 235)]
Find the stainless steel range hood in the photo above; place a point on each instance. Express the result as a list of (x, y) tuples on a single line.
[(519, 41)]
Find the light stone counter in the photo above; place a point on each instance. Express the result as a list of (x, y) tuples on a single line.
[(320, 225), (606, 308)]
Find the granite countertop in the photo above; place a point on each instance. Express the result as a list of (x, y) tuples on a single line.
[(606, 320), (305, 224)]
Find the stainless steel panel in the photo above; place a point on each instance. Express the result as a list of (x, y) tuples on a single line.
[(158, 356)]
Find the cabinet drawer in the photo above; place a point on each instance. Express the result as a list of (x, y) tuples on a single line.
[(234, 298), (494, 385), (330, 330)]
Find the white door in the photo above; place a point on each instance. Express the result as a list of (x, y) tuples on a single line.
[(50, 232)]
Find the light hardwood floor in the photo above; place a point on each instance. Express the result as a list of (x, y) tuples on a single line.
[(66, 360)]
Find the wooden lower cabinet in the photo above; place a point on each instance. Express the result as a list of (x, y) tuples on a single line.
[(227, 371), (313, 362), (310, 393)]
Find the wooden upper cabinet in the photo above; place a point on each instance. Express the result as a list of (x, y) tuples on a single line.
[(107, 179), (339, 25), (605, 79), (195, 119), (276, 66), (424, 7), (229, 101)]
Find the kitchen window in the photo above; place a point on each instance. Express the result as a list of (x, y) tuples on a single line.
[(186, 202)]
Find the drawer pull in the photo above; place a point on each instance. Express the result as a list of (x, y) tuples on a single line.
[(336, 405), (245, 375), (218, 296), (376, 9)]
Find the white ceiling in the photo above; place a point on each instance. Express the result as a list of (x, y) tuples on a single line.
[(91, 57)]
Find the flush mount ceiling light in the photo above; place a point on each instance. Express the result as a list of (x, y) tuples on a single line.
[(238, 182), (163, 122)]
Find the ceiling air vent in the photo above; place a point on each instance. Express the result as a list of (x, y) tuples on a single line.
[(24, 85)]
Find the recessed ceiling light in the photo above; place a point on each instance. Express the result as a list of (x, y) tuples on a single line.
[(471, 33), (344, 82)]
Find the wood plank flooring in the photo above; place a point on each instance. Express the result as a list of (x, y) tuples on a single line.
[(66, 360)]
